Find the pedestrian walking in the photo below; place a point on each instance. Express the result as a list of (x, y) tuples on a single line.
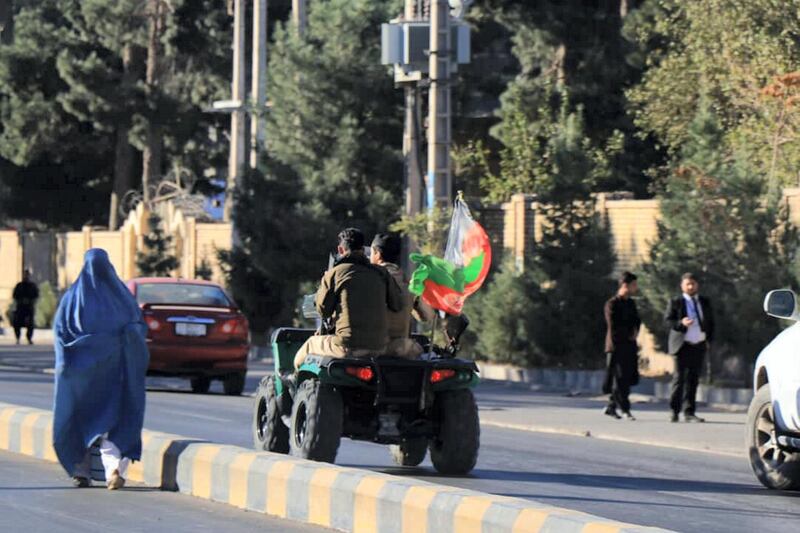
[(101, 361), (690, 320), (25, 295), (622, 351)]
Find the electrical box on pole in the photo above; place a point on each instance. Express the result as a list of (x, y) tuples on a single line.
[(407, 44)]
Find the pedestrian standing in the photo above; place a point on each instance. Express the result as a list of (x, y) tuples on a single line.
[(622, 351), (25, 295), (101, 361), (690, 320)]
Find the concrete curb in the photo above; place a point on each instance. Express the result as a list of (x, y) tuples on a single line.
[(347, 499), (591, 382)]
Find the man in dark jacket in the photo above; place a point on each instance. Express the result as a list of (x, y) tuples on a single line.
[(690, 320), (386, 249), (356, 296), (622, 352), (25, 295)]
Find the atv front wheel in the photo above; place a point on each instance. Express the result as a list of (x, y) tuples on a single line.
[(774, 467), (410, 453), (269, 432), (454, 451), (316, 422)]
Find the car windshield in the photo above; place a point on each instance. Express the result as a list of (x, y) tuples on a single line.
[(181, 293)]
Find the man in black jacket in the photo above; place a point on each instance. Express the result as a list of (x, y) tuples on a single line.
[(691, 329), (25, 295), (622, 352)]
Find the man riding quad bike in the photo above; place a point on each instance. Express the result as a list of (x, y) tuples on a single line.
[(328, 386)]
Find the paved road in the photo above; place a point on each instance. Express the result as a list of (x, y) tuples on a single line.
[(35, 497), (680, 489)]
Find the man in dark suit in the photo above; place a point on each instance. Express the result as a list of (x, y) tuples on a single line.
[(622, 352), (691, 329)]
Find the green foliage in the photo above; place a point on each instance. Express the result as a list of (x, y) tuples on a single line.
[(566, 278), (334, 156), (46, 306), (158, 257), (73, 80), (728, 51), (718, 223), (203, 270), (427, 230)]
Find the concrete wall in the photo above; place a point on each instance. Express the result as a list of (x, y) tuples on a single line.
[(58, 257)]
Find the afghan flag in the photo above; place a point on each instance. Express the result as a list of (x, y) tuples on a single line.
[(444, 284)]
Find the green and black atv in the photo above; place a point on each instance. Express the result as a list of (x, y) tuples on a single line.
[(412, 405)]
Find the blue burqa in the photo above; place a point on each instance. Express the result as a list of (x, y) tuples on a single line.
[(101, 361)]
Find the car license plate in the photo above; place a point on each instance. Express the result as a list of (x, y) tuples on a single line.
[(190, 330)]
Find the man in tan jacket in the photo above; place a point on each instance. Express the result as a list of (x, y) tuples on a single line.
[(357, 296), (386, 249)]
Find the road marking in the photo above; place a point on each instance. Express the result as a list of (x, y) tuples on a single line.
[(202, 465), (238, 472), (319, 496), (416, 503), (277, 487), (468, 517), (365, 505)]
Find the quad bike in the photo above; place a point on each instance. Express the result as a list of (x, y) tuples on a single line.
[(412, 405)]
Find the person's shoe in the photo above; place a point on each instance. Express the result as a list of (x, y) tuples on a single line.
[(17, 341), (693, 418), (116, 481), (80, 482), (674, 417), (30, 341), (610, 411), (628, 415)]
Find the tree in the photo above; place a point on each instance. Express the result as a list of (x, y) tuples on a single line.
[(158, 257), (726, 51), (566, 277), (717, 222)]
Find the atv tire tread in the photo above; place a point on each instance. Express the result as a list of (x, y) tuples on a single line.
[(455, 450), (275, 433), (324, 418)]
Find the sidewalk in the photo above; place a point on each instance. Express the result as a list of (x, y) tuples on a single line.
[(514, 407)]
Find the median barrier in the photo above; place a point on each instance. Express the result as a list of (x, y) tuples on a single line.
[(347, 499)]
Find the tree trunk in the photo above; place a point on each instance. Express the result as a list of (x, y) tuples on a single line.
[(124, 152), (151, 156)]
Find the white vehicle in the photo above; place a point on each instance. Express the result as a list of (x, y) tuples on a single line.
[(773, 419)]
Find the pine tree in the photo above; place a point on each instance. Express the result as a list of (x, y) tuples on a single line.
[(718, 222), (158, 257)]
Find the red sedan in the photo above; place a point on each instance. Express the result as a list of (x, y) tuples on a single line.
[(195, 331)]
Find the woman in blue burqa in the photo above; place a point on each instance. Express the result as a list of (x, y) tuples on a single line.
[(101, 361)]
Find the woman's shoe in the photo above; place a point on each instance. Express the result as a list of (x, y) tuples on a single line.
[(80, 482), (116, 481)]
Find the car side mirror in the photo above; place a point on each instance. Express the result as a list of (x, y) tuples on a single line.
[(782, 304)]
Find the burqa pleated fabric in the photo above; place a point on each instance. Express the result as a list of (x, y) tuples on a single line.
[(101, 362)]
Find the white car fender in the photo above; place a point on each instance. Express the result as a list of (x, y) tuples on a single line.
[(781, 360)]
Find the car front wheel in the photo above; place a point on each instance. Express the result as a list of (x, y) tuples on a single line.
[(774, 467)]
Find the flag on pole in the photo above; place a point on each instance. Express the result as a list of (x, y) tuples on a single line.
[(444, 284)]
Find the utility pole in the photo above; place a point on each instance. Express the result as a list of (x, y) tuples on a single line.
[(412, 177), (440, 190), (151, 155), (300, 16), (258, 89), (236, 159)]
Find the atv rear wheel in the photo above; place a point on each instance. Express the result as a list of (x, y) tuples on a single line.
[(454, 451), (410, 453), (316, 422), (269, 432)]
